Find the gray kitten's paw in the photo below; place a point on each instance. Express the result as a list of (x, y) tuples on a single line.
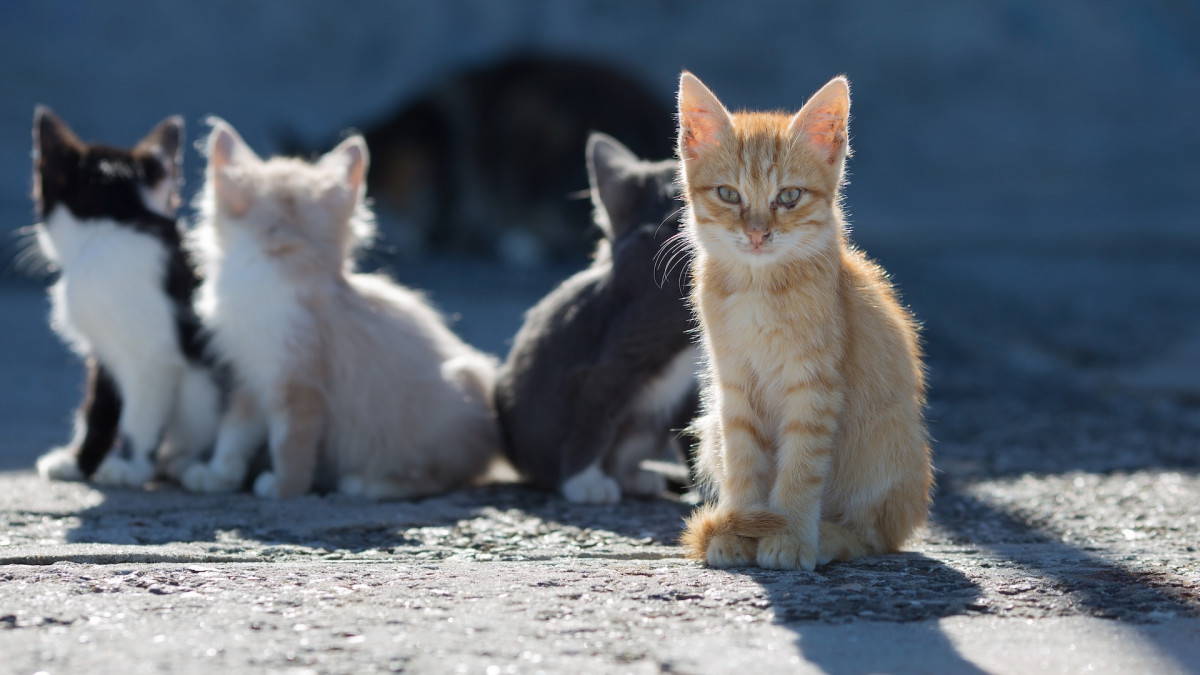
[(591, 486), (730, 550), (209, 479), (59, 464), (786, 551), (643, 483), (117, 472), (266, 486)]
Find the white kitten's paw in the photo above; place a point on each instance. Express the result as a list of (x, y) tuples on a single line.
[(786, 551), (591, 486), (59, 464), (643, 483), (117, 472), (730, 550), (266, 486), (209, 479)]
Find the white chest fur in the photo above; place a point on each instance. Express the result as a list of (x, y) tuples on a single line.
[(253, 311), (662, 396), (110, 299)]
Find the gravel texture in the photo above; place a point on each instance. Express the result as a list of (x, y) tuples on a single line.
[(1064, 536)]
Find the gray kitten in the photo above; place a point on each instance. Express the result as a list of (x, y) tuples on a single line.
[(604, 366)]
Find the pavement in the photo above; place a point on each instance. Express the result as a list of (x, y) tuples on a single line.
[(1065, 537)]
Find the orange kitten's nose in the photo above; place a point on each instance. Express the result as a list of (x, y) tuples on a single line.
[(758, 237)]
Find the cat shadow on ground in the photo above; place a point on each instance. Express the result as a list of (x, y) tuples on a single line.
[(243, 524), (898, 588), (497, 521), (1046, 576)]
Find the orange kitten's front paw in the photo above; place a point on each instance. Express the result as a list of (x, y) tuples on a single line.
[(786, 551), (730, 550)]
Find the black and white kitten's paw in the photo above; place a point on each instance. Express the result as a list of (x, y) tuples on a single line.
[(60, 464), (266, 486), (210, 479), (117, 472), (591, 486)]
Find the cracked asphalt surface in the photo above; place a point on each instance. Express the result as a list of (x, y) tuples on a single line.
[(1065, 400)]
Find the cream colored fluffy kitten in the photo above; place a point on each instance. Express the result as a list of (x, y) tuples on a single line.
[(354, 382), (813, 437)]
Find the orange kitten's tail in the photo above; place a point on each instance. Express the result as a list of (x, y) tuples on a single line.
[(709, 521)]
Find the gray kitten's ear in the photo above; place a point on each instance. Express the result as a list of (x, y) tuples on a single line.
[(609, 164), (227, 153)]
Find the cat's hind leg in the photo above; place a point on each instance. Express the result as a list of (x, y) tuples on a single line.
[(149, 397), (625, 461), (295, 432), (95, 430), (243, 429), (840, 542), (194, 423)]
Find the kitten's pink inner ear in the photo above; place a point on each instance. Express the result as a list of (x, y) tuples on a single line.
[(702, 118), (232, 197), (356, 172), (824, 119)]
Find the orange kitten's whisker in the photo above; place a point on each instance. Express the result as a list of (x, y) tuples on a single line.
[(670, 216)]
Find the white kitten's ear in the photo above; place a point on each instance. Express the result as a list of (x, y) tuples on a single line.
[(352, 158), (702, 118), (226, 153), (164, 145), (608, 164), (823, 122)]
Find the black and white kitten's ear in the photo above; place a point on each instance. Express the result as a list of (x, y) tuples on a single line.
[(53, 144), (609, 164), (161, 152), (824, 121), (702, 118), (52, 136), (228, 156), (349, 162)]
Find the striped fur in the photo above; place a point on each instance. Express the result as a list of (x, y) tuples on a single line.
[(815, 386)]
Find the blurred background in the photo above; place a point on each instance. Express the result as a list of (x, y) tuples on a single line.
[(1028, 171)]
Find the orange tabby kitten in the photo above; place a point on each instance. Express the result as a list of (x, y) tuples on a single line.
[(813, 435)]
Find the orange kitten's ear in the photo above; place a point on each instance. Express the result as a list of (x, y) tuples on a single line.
[(824, 120), (351, 157), (226, 153), (702, 118)]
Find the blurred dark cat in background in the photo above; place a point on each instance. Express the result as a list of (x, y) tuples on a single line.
[(486, 163)]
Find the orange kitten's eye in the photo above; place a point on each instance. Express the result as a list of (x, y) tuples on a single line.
[(728, 194), (788, 196)]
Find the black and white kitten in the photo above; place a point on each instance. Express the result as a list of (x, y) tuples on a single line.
[(123, 301), (604, 365)]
